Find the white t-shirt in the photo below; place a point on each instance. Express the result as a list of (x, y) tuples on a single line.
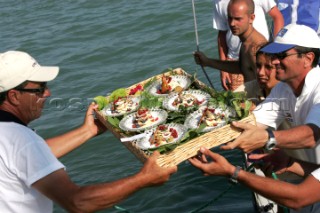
[(282, 104), (24, 159), (220, 22)]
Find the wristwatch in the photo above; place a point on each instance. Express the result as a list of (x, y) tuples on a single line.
[(271, 142), (234, 178)]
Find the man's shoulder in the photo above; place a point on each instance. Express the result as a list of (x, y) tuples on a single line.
[(281, 89), (258, 38), (257, 41), (12, 129)]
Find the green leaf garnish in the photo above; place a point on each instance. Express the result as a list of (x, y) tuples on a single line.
[(114, 121), (101, 101)]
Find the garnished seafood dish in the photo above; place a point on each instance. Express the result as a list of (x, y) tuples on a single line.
[(186, 99), (168, 84), (122, 106), (211, 117), (142, 119), (162, 135)]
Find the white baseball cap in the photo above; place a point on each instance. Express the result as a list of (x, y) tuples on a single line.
[(293, 35), (17, 67)]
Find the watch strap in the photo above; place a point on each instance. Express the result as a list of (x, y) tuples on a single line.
[(271, 142), (234, 178), (270, 133)]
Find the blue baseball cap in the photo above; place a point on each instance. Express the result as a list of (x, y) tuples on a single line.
[(293, 35)]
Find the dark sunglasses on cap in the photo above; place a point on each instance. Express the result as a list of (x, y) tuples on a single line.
[(40, 90)]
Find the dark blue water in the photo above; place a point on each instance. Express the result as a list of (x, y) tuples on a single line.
[(101, 46)]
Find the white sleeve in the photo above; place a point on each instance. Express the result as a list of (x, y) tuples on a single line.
[(220, 16), (313, 115), (267, 5), (35, 160), (268, 112), (316, 174)]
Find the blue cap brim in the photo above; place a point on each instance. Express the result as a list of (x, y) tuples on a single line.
[(277, 47)]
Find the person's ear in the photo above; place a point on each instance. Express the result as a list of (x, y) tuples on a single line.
[(13, 97), (252, 17), (309, 57)]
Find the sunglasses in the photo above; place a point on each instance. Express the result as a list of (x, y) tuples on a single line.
[(282, 55), (40, 90)]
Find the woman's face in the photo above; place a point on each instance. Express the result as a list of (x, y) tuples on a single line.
[(266, 72)]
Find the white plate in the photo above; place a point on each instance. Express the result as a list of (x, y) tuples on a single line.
[(192, 121), (177, 80), (127, 122), (125, 110), (143, 143), (200, 95)]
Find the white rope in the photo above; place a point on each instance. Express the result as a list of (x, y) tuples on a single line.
[(197, 40), (195, 24)]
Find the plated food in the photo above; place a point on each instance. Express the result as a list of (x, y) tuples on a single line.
[(187, 98), (122, 105), (168, 84), (143, 119), (210, 116), (163, 134)]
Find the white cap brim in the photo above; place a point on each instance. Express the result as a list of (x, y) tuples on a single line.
[(44, 74)]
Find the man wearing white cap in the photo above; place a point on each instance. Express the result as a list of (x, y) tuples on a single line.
[(31, 177), (296, 99)]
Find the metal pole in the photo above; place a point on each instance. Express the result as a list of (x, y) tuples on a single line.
[(197, 40)]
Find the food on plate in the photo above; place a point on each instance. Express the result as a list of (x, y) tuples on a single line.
[(123, 105), (121, 92), (212, 117), (169, 84), (178, 89), (136, 90), (101, 101), (186, 100), (163, 135), (143, 117)]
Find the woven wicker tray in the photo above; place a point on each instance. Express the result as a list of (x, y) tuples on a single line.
[(185, 150)]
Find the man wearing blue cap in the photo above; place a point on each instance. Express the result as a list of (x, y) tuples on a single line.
[(296, 99), (295, 53)]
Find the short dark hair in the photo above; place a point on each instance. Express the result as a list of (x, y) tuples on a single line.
[(3, 95), (303, 50)]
